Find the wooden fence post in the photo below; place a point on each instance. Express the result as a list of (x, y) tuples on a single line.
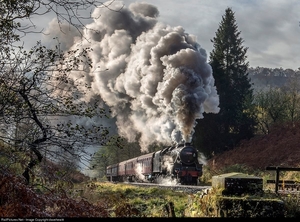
[(278, 169)]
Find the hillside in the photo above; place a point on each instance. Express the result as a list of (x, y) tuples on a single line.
[(279, 148)]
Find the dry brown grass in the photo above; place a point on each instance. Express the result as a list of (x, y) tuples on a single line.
[(279, 148)]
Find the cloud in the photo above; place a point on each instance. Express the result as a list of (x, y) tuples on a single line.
[(270, 30), (264, 24), (64, 34)]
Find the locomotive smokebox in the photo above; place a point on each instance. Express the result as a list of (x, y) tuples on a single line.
[(188, 154)]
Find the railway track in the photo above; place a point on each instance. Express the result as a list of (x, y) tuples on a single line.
[(177, 187), (195, 189)]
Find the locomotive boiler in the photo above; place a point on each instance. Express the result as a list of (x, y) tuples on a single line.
[(178, 163)]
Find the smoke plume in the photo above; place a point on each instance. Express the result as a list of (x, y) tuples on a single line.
[(155, 78)]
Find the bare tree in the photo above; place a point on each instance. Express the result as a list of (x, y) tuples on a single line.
[(14, 13), (40, 109), (272, 107)]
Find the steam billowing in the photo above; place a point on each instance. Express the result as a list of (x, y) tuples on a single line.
[(155, 78)]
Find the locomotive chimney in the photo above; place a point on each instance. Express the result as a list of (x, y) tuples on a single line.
[(187, 144)]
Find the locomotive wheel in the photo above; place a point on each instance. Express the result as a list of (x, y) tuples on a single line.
[(194, 181), (131, 179), (157, 179)]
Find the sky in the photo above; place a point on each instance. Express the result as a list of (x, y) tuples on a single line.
[(270, 28)]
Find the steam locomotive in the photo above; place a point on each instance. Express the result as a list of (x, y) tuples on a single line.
[(177, 163)]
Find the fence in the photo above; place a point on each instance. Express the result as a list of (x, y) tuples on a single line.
[(283, 183)]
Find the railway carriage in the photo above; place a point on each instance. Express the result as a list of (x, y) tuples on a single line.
[(130, 173), (122, 171), (112, 173), (177, 162), (144, 167)]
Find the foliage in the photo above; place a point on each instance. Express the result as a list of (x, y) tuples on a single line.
[(241, 168), (41, 110), (11, 159), (278, 105), (202, 204), (14, 13), (21, 200), (114, 151), (272, 108), (291, 89), (292, 203), (236, 119), (130, 201)]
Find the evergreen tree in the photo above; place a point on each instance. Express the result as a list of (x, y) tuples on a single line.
[(236, 119)]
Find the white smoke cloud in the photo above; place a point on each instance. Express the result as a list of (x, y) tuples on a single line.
[(155, 78)]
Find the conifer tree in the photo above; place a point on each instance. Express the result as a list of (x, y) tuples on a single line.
[(236, 119)]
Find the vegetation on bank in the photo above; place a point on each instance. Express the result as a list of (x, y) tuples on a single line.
[(85, 197)]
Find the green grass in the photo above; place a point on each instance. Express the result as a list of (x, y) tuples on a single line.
[(127, 200)]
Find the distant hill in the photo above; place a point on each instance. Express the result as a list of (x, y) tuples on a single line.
[(265, 77)]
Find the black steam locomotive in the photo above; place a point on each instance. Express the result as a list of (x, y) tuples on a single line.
[(177, 163)]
